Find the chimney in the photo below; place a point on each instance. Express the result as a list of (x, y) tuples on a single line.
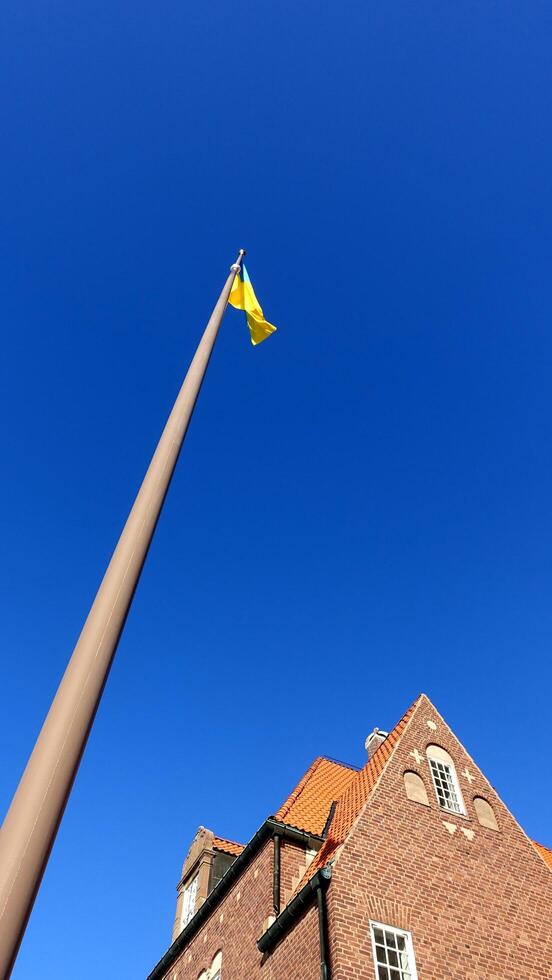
[(374, 740)]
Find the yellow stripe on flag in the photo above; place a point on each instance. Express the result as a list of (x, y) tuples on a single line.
[(242, 297)]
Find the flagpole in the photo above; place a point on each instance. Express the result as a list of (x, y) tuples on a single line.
[(32, 821)]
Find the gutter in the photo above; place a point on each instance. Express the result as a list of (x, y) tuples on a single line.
[(268, 829), (286, 920)]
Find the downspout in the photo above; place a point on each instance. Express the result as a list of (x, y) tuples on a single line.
[(316, 887), (323, 933), (276, 875)]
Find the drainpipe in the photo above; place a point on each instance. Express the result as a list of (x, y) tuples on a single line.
[(276, 875), (323, 933), (316, 887)]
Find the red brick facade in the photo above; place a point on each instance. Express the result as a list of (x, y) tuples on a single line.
[(239, 920), (477, 901)]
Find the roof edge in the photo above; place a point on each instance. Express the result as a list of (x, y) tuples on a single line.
[(269, 828), (289, 915), (299, 787)]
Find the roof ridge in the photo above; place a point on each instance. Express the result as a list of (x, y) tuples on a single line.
[(338, 762), (356, 795), (381, 755)]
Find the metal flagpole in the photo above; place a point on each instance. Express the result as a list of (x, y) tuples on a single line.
[(32, 821)]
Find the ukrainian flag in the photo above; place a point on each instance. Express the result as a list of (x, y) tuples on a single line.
[(242, 297)]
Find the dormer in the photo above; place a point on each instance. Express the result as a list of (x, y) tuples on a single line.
[(207, 860)]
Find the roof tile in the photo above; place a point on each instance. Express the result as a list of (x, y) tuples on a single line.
[(355, 796), (228, 846), (545, 853), (309, 804)]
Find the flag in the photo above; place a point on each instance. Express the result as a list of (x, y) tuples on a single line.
[(242, 297)]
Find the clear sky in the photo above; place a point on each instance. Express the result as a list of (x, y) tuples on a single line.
[(363, 508)]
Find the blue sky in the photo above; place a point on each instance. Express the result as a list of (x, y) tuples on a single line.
[(363, 506)]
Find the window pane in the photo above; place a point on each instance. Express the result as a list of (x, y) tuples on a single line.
[(445, 786), (392, 953)]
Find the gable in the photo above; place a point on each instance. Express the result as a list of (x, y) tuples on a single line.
[(355, 796), (404, 858)]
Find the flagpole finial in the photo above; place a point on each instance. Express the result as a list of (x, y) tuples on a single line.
[(238, 263)]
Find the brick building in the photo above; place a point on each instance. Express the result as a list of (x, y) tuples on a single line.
[(411, 867)]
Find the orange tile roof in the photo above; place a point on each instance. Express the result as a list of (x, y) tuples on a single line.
[(228, 846), (544, 852), (309, 804), (325, 782), (354, 797)]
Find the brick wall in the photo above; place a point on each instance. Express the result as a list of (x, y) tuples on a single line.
[(297, 957), (478, 902), (241, 917)]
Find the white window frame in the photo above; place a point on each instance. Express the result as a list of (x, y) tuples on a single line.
[(189, 893), (396, 932), (446, 760)]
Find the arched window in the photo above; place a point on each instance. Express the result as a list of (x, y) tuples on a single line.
[(216, 967), (415, 788), (445, 780), (485, 813)]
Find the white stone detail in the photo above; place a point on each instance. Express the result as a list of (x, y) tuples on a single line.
[(468, 776), (470, 834), (451, 827), (431, 724), (416, 755)]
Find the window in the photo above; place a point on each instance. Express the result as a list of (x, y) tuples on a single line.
[(485, 813), (216, 967), (189, 901), (444, 780), (214, 972), (415, 789), (393, 953)]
